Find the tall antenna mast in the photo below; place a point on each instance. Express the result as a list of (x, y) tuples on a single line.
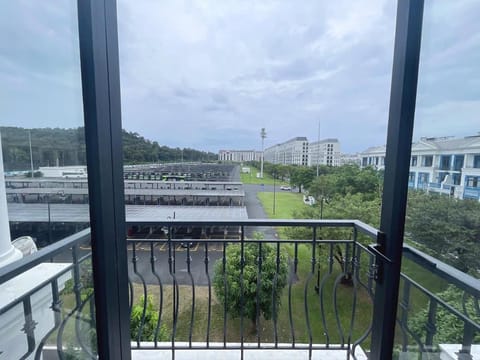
[(263, 135), (318, 146)]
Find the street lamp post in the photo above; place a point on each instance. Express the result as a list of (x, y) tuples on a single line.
[(49, 221), (318, 148), (317, 287), (274, 175), (263, 135), (31, 154)]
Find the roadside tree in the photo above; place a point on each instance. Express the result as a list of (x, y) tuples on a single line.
[(261, 273)]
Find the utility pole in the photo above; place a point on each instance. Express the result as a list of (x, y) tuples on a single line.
[(274, 177), (263, 135), (318, 144), (31, 154)]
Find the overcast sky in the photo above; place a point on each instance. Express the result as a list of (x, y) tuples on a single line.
[(209, 75)]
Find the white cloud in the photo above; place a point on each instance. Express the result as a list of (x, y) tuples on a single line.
[(210, 74)]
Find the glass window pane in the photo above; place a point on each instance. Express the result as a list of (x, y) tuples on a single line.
[(439, 294), (46, 188), (243, 83)]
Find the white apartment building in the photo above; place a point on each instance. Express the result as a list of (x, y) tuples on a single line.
[(374, 156), (291, 152), (444, 164), (324, 152), (239, 155)]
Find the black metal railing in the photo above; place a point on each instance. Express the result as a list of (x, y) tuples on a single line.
[(327, 287), (310, 293), (427, 319), (67, 292)]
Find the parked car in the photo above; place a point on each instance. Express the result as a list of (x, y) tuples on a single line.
[(187, 243)]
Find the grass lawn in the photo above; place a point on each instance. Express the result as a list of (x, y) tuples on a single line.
[(252, 178), (286, 203), (306, 282)]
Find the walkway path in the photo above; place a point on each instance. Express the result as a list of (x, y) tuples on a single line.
[(255, 209)]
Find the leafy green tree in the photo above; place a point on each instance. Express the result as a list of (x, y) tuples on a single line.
[(345, 207), (449, 328), (145, 330), (447, 228), (347, 179), (301, 176), (323, 187), (273, 278)]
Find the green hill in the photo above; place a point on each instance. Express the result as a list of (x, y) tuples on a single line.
[(67, 147)]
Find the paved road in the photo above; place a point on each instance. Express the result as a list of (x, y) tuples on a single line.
[(235, 175), (162, 268), (255, 209), (197, 263)]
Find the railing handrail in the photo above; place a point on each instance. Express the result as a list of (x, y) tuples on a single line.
[(258, 222), (348, 258), (11, 270), (458, 278), (438, 300)]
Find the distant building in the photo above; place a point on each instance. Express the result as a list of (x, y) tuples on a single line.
[(291, 152), (444, 164), (324, 152), (350, 159), (374, 156), (239, 155)]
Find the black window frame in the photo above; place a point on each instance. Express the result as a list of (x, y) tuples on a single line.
[(428, 163), (476, 161), (99, 60), (101, 89), (457, 163), (414, 160)]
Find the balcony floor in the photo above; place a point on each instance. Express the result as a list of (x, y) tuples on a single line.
[(249, 354)]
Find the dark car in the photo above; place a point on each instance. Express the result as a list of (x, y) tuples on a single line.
[(187, 243)]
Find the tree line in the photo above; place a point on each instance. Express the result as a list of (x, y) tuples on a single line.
[(442, 226), (63, 147)]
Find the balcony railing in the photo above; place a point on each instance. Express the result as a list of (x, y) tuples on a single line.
[(315, 294)]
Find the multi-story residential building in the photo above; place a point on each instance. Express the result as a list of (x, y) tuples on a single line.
[(374, 156), (239, 155), (324, 152), (291, 152), (443, 164)]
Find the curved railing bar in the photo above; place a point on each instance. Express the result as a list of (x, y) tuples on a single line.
[(259, 280), (192, 316), (369, 291), (320, 293), (153, 260), (145, 294), (209, 311), (290, 282), (355, 265), (305, 293)]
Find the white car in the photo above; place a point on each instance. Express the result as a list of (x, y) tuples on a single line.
[(286, 188)]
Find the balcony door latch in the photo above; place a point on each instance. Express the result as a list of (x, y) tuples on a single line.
[(381, 259)]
